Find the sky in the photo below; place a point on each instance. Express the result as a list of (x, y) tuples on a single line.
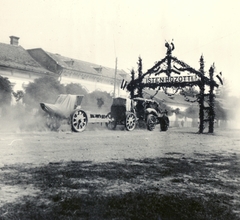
[(101, 31)]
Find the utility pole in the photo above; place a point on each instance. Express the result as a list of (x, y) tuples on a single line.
[(115, 79)]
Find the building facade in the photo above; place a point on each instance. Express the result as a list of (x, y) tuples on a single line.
[(18, 66), (22, 66), (91, 76)]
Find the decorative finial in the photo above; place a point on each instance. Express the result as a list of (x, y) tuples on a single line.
[(169, 47)]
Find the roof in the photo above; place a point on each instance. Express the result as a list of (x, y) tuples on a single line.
[(86, 67), (12, 56)]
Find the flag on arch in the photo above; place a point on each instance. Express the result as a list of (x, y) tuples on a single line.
[(124, 84), (219, 76)]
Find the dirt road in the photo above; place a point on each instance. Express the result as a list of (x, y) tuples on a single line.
[(179, 160), (101, 145)]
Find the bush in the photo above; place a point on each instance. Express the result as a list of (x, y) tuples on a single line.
[(5, 91), (75, 89), (44, 89), (97, 101), (5, 95)]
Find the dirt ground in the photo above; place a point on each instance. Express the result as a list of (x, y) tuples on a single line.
[(177, 174)]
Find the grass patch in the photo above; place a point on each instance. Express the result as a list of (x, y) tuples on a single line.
[(161, 188)]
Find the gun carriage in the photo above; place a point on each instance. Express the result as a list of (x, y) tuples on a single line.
[(67, 109)]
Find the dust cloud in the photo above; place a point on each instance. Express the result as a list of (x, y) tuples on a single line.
[(18, 118), (234, 122), (233, 113)]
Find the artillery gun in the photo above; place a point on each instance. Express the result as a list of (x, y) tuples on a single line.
[(67, 109)]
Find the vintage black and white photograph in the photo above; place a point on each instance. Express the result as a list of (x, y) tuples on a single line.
[(116, 109)]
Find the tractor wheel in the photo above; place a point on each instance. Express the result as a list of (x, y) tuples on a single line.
[(130, 122), (111, 124), (53, 122), (141, 124), (79, 121), (164, 124), (164, 128), (151, 122)]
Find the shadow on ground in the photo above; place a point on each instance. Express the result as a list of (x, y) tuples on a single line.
[(174, 187)]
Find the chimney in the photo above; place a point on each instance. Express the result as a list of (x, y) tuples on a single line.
[(14, 40)]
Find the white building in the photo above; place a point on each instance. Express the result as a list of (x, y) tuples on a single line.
[(22, 66), (18, 66)]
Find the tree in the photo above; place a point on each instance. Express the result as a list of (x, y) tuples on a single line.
[(45, 89), (179, 115), (75, 89), (167, 108), (189, 91), (100, 102), (193, 113), (18, 95), (223, 102), (97, 100), (224, 90), (5, 92)]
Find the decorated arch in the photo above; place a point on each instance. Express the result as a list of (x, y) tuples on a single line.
[(172, 74)]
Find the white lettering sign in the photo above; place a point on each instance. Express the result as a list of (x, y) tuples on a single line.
[(173, 79)]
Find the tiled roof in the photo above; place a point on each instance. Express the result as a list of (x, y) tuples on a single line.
[(86, 67), (18, 58)]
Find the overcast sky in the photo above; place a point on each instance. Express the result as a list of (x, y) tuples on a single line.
[(99, 31)]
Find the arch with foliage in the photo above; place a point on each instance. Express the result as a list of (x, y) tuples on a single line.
[(168, 74)]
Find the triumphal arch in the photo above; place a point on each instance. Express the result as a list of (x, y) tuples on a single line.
[(170, 73)]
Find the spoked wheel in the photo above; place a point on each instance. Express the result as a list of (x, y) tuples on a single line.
[(79, 121), (112, 123), (151, 122), (131, 120), (53, 122)]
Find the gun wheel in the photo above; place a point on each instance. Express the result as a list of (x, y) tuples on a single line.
[(53, 122), (131, 120), (79, 121), (111, 124)]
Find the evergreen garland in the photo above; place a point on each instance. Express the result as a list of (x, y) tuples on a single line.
[(139, 86), (211, 101), (186, 96), (201, 97), (170, 94), (132, 85)]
